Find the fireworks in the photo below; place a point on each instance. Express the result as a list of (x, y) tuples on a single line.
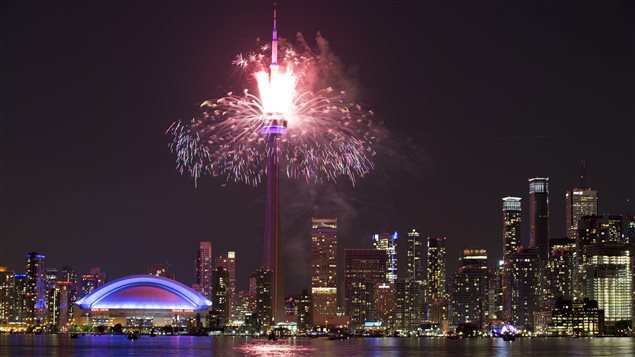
[(328, 134)]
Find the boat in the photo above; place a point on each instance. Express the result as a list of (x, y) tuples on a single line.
[(509, 337), (272, 336), (338, 336), (133, 336), (74, 335)]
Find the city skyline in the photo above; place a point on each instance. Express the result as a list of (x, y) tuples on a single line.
[(106, 180)]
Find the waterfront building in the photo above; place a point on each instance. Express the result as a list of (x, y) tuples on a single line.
[(436, 268), (204, 267), (580, 202), (92, 281), (305, 311), (363, 269), (220, 294), (385, 303), (470, 287), (387, 242), (264, 296), (584, 319), (511, 244), (142, 302), (559, 272), (410, 290), (35, 290), (228, 262), (539, 215), (324, 267), (525, 268)]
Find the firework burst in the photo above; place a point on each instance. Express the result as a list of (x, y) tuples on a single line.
[(328, 136)]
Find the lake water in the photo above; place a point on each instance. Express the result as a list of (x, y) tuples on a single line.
[(96, 346)]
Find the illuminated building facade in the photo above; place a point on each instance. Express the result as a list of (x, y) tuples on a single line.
[(387, 242), (385, 303), (92, 281), (559, 272), (35, 290), (605, 266), (363, 269), (511, 244), (579, 203), (7, 286), (409, 292), (204, 267), (539, 215), (470, 287), (436, 267), (570, 318), (324, 266), (161, 270), (68, 275), (525, 267), (264, 296), (220, 294), (142, 301), (228, 262), (305, 311)]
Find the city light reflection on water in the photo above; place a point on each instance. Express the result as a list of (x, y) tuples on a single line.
[(268, 348)]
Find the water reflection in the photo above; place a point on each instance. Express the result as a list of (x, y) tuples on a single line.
[(268, 348)]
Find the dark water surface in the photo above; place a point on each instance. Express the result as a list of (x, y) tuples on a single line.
[(43, 345)]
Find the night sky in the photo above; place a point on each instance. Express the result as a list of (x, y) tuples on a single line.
[(486, 95)]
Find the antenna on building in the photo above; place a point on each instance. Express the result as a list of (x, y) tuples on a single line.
[(585, 175)]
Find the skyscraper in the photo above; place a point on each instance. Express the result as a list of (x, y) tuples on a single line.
[(388, 243), (228, 262), (323, 267), (606, 272), (220, 294), (511, 244), (363, 268), (579, 203), (7, 286), (35, 289), (470, 287), (539, 215), (525, 268), (409, 289), (204, 269), (92, 281), (437, 294), (305, 310), (264, 296), (559, 272)]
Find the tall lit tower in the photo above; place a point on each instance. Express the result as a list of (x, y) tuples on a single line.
[(274, 126), (511, 244), (204, 269), (539, 215), (437, 296), (388, 243), (324, 266)]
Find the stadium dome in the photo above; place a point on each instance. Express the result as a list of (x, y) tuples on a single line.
[(144, 292)]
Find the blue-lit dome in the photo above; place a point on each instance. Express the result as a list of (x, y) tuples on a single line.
[(144, 292)]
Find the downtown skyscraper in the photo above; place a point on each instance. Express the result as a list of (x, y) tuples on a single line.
[(409, 289), (228, 262), (470, 288), (511, 244), (363, 269), (436, 268), (323, 268), (387, 242), (539, 215), (204, 266), (580, 202), (35, 289)]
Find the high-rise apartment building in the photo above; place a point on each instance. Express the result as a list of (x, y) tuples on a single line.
[(605, 266), (387, 242), (410, 288), (580, 202), (264, 296), (511, 244), (204, 267), (35, 289), (539, 215), (470, 288), (228, 262), (324, 266), (220, 294), (436, 268), (525, 268), (7, 291), (559, 272), (363, 269)]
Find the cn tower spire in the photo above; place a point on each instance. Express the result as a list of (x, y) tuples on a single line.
[(274, 38)]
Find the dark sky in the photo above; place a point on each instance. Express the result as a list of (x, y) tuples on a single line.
[(491, 93)]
